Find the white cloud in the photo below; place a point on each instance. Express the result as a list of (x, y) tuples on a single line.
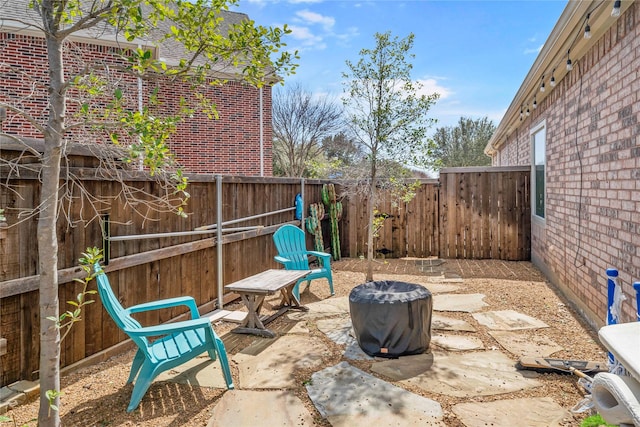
[(309, 17), (430, 85), (307, 39)]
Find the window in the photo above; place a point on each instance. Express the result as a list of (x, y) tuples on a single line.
[(538, 168)]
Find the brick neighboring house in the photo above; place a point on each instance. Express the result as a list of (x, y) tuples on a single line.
[(238, 143), (582, 141)]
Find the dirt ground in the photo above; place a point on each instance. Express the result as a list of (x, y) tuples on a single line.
[(98, 395)]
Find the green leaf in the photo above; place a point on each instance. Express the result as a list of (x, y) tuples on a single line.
[(118, 94)]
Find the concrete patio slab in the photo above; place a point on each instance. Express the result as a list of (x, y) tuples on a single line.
[(523, 345), (481, 373), (349, 397), (508, 320), (444, 323), (275, 367), (457, 342), (199, 371), (260, 408), (531, 412), (326, 308), (467, 303)]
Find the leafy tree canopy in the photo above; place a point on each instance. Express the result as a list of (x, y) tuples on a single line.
[(463, 144)]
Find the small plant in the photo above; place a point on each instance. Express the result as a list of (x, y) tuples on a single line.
[(2, 217), (595, 421), (52, 395), (69, 317)]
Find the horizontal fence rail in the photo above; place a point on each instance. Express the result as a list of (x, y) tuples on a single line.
[(467, 213)]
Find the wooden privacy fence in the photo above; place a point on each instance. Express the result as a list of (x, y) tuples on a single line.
[(472, 213), (140, 270), (468, 213)]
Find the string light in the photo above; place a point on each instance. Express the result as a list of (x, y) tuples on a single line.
[(535, 103), (569, 64), (552, 82), (527, 112), (542, 84), (521, 113), (615, 12), (587, 28)]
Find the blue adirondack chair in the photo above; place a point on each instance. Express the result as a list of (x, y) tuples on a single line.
[(293, 254), (174, 343)]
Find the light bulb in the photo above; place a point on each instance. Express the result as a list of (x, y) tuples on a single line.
[(587, 31), (552, 82), (542, 87), (615, 12), (569, 64), (535, 104)]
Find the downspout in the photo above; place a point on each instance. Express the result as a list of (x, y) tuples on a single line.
[(140, 165), (261, 134)]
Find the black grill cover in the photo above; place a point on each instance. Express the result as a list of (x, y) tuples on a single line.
[(391, 319)]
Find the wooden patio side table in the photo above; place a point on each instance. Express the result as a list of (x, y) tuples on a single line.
[(254, 289)]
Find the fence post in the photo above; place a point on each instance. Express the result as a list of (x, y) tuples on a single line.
[(219, 240)]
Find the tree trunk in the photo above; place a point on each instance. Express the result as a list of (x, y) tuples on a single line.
[(371, 207), (48, 239)]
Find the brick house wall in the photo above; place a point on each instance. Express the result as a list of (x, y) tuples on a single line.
[(593, 172), (229, 145)]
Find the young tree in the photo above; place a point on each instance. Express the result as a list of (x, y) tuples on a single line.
[(85, 103), (463, 144), (300, 122), (387, 116)]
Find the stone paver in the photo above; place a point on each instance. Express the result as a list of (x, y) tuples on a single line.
[(522, 345), (444, 323), (481, 373), (508, 320), (326, 308), (353, 351), (457, 342), (337, 329), (467, 303), (532, 412), (349, 397), (340, 331), (200, 371), (260, 408), (276, 365), (404, 367)]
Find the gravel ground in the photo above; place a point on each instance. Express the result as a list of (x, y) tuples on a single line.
[(98, 395)]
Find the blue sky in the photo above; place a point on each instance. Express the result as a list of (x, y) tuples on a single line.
[(474, 53)]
